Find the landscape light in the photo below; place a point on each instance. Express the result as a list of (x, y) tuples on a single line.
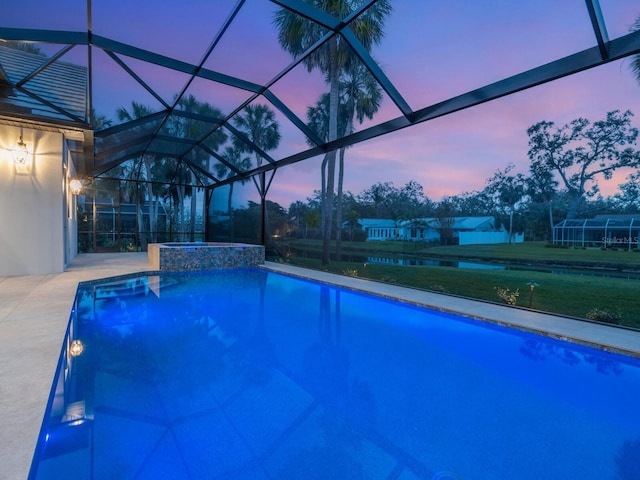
[(531, 285)]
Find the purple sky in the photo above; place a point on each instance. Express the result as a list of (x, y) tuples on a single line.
[(431, 51), (459, 152)]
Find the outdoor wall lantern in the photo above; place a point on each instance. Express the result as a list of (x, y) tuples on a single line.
[(76, 348), (20, 152), (75, 186)]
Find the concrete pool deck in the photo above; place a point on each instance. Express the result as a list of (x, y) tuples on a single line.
[(34, 312)]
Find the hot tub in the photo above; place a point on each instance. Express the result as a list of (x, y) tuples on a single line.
[(193, 256)]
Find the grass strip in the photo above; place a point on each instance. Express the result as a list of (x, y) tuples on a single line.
[(569, 295)]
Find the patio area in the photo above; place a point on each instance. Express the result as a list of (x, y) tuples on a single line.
[(34, 311)]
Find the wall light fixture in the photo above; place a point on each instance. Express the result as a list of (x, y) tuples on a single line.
[(75, 186), (20, 152)]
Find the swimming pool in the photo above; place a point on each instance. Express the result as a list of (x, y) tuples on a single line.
[(255, 374)]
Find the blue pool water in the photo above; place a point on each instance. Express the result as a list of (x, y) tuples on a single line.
[(249, 374)]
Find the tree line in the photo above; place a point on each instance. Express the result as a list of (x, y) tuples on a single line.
[(566, 164)]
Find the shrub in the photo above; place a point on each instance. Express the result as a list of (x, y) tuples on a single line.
[(507, 296), (437, 288), (350, 272), (604, 315)]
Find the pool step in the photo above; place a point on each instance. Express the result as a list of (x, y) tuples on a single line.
[(130, 288)]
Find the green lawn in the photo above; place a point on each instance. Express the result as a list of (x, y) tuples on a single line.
[(537, 252), (570, 295)]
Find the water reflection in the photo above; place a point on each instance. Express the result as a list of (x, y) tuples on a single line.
[(408, 260), (539, 350), (628, 460)]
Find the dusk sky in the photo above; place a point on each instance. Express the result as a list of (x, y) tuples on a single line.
[(432, 50)]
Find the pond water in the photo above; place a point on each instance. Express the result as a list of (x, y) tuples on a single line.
[(412, 260)]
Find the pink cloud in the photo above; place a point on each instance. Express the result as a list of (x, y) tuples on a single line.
[(459, 152)]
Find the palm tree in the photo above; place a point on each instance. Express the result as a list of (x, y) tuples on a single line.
[(138, 110), (100, 121), (179, 187), (296, 213), (296, 34), (635, 61), (361, 95), (234, 157), (195, 130), (318, 122), (259, 124)]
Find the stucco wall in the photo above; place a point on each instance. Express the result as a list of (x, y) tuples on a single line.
[(33, 213)]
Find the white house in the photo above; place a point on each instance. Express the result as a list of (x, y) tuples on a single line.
[(464, 230), (380, 229), (38, 159)]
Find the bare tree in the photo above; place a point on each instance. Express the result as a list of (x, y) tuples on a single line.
[(580, 152)]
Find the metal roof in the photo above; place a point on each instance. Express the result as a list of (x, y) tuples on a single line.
[(601, 221), (39, 88), (189, 139)]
